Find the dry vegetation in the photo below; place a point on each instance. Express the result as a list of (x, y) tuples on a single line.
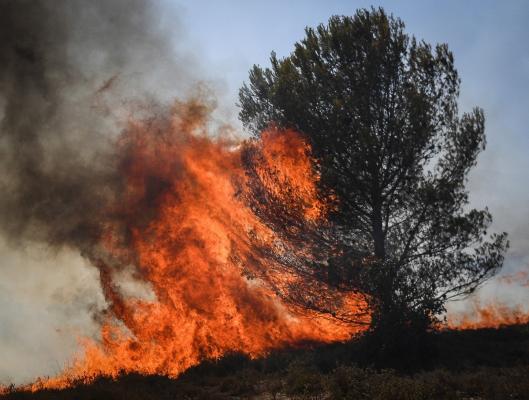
[(484, 364)]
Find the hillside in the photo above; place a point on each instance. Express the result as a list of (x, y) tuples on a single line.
[(474, 364)]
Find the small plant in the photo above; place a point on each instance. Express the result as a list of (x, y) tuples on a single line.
[(302, 379)]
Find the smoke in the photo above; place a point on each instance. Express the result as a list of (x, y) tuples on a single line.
[(70, 72), (97, 160), (47, 300)]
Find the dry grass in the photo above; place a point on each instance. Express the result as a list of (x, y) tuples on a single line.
[(486, 364)]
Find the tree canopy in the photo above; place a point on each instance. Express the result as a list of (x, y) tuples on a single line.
[(379, 109)]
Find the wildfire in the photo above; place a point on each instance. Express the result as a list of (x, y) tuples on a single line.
[(182, 226), (493, 313), (490, 315), (180, 229)]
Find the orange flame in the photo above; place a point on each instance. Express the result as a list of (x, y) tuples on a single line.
[(494, 313), (187, 234), (491, 315)]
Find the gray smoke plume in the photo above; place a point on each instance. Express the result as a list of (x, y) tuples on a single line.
[(69, 72)]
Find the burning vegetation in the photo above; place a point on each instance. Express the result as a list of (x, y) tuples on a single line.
[(179, 221), (207, 244), (488, 315)]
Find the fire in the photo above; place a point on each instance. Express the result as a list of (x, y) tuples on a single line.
[(183, 228), (181, 231), (490, 315), (288, 155), (494, 312)]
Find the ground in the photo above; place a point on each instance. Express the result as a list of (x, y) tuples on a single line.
[(480, 364)]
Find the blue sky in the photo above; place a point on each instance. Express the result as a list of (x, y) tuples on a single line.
[(489, 39)]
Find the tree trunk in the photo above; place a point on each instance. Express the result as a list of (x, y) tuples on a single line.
[(377, 231)]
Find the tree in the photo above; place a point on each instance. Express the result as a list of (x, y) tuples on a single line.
[(379, 109)]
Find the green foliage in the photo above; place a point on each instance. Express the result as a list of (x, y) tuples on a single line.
[(380, 111)]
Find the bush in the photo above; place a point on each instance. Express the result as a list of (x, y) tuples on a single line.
[(303, 379)]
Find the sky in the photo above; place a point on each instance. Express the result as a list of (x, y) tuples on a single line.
[(39, 318), (491, 50)]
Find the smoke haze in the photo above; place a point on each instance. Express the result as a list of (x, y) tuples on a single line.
[(63, 64), (71, 72)]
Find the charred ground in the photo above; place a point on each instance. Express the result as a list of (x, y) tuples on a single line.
[(477, 364)]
